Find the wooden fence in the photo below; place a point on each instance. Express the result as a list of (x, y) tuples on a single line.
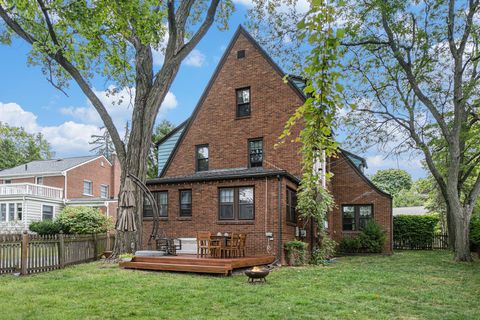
[(439, 241), (27, 254)]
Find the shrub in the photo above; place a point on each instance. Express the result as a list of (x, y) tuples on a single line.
[(84, 220), (296, 252), (416, 231), (475, 231), (325, 252), (350, 245), (46, 227), (372, 238)]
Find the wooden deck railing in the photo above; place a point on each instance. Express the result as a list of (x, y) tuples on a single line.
[(26, 254), (31, 189)]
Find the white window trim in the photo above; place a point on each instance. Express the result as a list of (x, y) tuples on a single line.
[(108, 191), (91, 188), (53, 210), (15, 211), (36, 180)]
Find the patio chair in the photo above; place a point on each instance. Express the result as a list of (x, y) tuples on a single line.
[(242, 240), (231, 248), (207, 246)]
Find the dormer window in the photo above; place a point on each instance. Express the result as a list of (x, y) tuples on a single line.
[(202, 157), (255, 152), (243, 102)]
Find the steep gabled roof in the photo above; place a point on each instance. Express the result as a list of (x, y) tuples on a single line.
[(240, 31), (39, 167)]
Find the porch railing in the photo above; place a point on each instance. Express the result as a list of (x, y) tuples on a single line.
[(31, 189)]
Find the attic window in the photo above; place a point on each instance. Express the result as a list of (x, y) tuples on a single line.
[(240, 54), (243, 102)]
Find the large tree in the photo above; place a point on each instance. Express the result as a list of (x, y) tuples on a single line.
[(18, 146), (83, 40), (414, 77)]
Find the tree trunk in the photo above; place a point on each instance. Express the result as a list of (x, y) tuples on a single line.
[(461, 218)]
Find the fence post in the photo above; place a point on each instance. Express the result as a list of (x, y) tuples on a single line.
[(95, 247), (24, 253), (61, 250)]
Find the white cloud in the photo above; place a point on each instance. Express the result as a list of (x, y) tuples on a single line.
[(68, 138), (412, 165), (119, 106), (72, 137), (14, 115), (195, 59)]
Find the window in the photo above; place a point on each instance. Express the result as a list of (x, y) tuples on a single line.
[(236, 203), (47, 212), (19, 211), (87, 187), (162, 202), (11, 211), (7, 181), (185, 203), (356, 217), (104, 191), (226, 204), (202, 157), (255, 153), (3, 212), (243, 102), (291, 206), (39, 180), (240, 54)]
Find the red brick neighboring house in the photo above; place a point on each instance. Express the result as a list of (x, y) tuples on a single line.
[(220, 171), (38, 190)]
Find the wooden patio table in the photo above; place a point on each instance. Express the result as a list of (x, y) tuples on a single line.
[(221, 239)]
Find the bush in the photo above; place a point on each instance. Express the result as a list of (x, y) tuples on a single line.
[(372, 238), (475, 231), (84, 220), (296, 252), (416, 231), (325, 252), (46, 227), (350, 245)]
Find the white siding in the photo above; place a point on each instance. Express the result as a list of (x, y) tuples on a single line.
[(32, 211)]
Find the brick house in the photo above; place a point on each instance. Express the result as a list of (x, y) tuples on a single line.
[(219, 171), (38, 190)]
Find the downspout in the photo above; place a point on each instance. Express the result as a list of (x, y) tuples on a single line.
[(279, 237), (65, 188)]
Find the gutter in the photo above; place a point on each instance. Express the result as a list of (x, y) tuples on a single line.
[(279, 237)]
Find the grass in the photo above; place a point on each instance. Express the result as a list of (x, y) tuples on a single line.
[(407, 285)]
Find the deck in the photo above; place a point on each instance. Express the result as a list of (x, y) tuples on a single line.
[(190, 263)]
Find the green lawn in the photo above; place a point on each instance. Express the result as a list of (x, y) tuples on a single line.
[(407, 285)]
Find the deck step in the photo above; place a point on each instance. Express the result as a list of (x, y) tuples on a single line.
[(222, 269), (175, 260)]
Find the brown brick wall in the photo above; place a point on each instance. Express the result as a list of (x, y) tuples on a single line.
[(272, 103), (93, 171), (20, 180), (205, 213), (350, 188)]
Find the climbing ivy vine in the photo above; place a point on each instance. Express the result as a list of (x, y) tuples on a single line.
[(317, 115)]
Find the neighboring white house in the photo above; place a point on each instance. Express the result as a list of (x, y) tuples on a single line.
[(38, 190)]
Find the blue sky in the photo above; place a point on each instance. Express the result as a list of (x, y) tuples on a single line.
[(28, 100)]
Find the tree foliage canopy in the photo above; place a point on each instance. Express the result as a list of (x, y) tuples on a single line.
[(392, 181), (18, 147)]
